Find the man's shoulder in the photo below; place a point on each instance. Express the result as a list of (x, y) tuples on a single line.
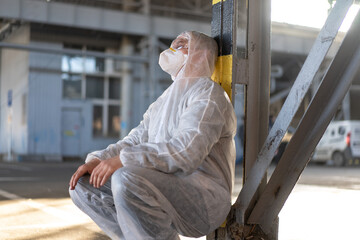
[(208, 86), (205, 83)]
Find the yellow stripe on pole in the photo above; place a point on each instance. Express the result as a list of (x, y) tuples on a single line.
[(216, 1), (224, 224), (223, 73)]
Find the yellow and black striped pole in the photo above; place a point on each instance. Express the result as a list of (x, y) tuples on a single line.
[(223, 30)]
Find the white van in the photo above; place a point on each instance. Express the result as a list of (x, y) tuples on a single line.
[(339, 144)]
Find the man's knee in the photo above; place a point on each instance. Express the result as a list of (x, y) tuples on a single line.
[(118, 180), (80, 188), (83, 183), (127, 180)]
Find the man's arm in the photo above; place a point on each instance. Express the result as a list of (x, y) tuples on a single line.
[(136, 136), (100, 164), (199, 128)]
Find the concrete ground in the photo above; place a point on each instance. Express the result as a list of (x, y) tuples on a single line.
[(34, 204)]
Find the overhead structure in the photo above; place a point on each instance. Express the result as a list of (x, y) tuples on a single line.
[(255, 212)]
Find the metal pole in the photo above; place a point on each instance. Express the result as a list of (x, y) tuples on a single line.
[(223, 30), (257, 90), (346, 107)]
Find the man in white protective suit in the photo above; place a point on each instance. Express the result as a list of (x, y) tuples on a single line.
[(173, 174)]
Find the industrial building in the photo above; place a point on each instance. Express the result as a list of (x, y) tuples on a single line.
[(76, 76)]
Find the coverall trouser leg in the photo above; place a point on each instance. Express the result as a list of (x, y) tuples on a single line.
[(98, 204), (141, 203)]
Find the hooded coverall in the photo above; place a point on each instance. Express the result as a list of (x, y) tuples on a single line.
[(178, 163)]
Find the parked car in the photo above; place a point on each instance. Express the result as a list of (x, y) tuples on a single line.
[(340, 144)]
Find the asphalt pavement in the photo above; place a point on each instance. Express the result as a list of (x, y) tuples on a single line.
[(35, 203)]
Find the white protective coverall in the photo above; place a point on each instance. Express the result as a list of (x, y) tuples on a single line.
[(178, 163)]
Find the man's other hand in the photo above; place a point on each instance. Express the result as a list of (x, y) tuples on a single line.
[(104, 170), (82, 170)]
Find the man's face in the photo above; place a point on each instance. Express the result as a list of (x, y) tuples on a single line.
[(180, 44)]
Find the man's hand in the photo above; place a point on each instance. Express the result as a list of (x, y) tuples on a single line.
[(83, 169), (104, 170)]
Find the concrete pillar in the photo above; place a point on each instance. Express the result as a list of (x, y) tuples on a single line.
[(153, 62), (144, 84), (127, 48), (153, 55), (146, 7)]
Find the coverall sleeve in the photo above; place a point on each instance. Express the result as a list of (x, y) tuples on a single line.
[(199, 128), (136, 136)]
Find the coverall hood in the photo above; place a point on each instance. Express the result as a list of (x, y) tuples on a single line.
[(202, 55)]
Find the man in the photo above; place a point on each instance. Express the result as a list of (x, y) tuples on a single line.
[(173, 174)]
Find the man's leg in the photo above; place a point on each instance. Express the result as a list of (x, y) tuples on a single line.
[(151, 205), (138, 211), (98, 204)]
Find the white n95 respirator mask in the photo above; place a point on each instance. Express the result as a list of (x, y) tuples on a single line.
[(171, 61)]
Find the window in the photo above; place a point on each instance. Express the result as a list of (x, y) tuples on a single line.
[(74, 66), (72, 63), (87, 78), (93, 65), (107, 92), (78, 63), (109, 111), (71, 86), (114, 121), (94, 87), (332, 133), (97, 121), (114, 88), (341, 130)]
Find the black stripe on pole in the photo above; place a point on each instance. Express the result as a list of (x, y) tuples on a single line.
[(222, 25)]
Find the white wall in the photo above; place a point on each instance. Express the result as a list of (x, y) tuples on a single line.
[(44, 119), (14, 76)]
